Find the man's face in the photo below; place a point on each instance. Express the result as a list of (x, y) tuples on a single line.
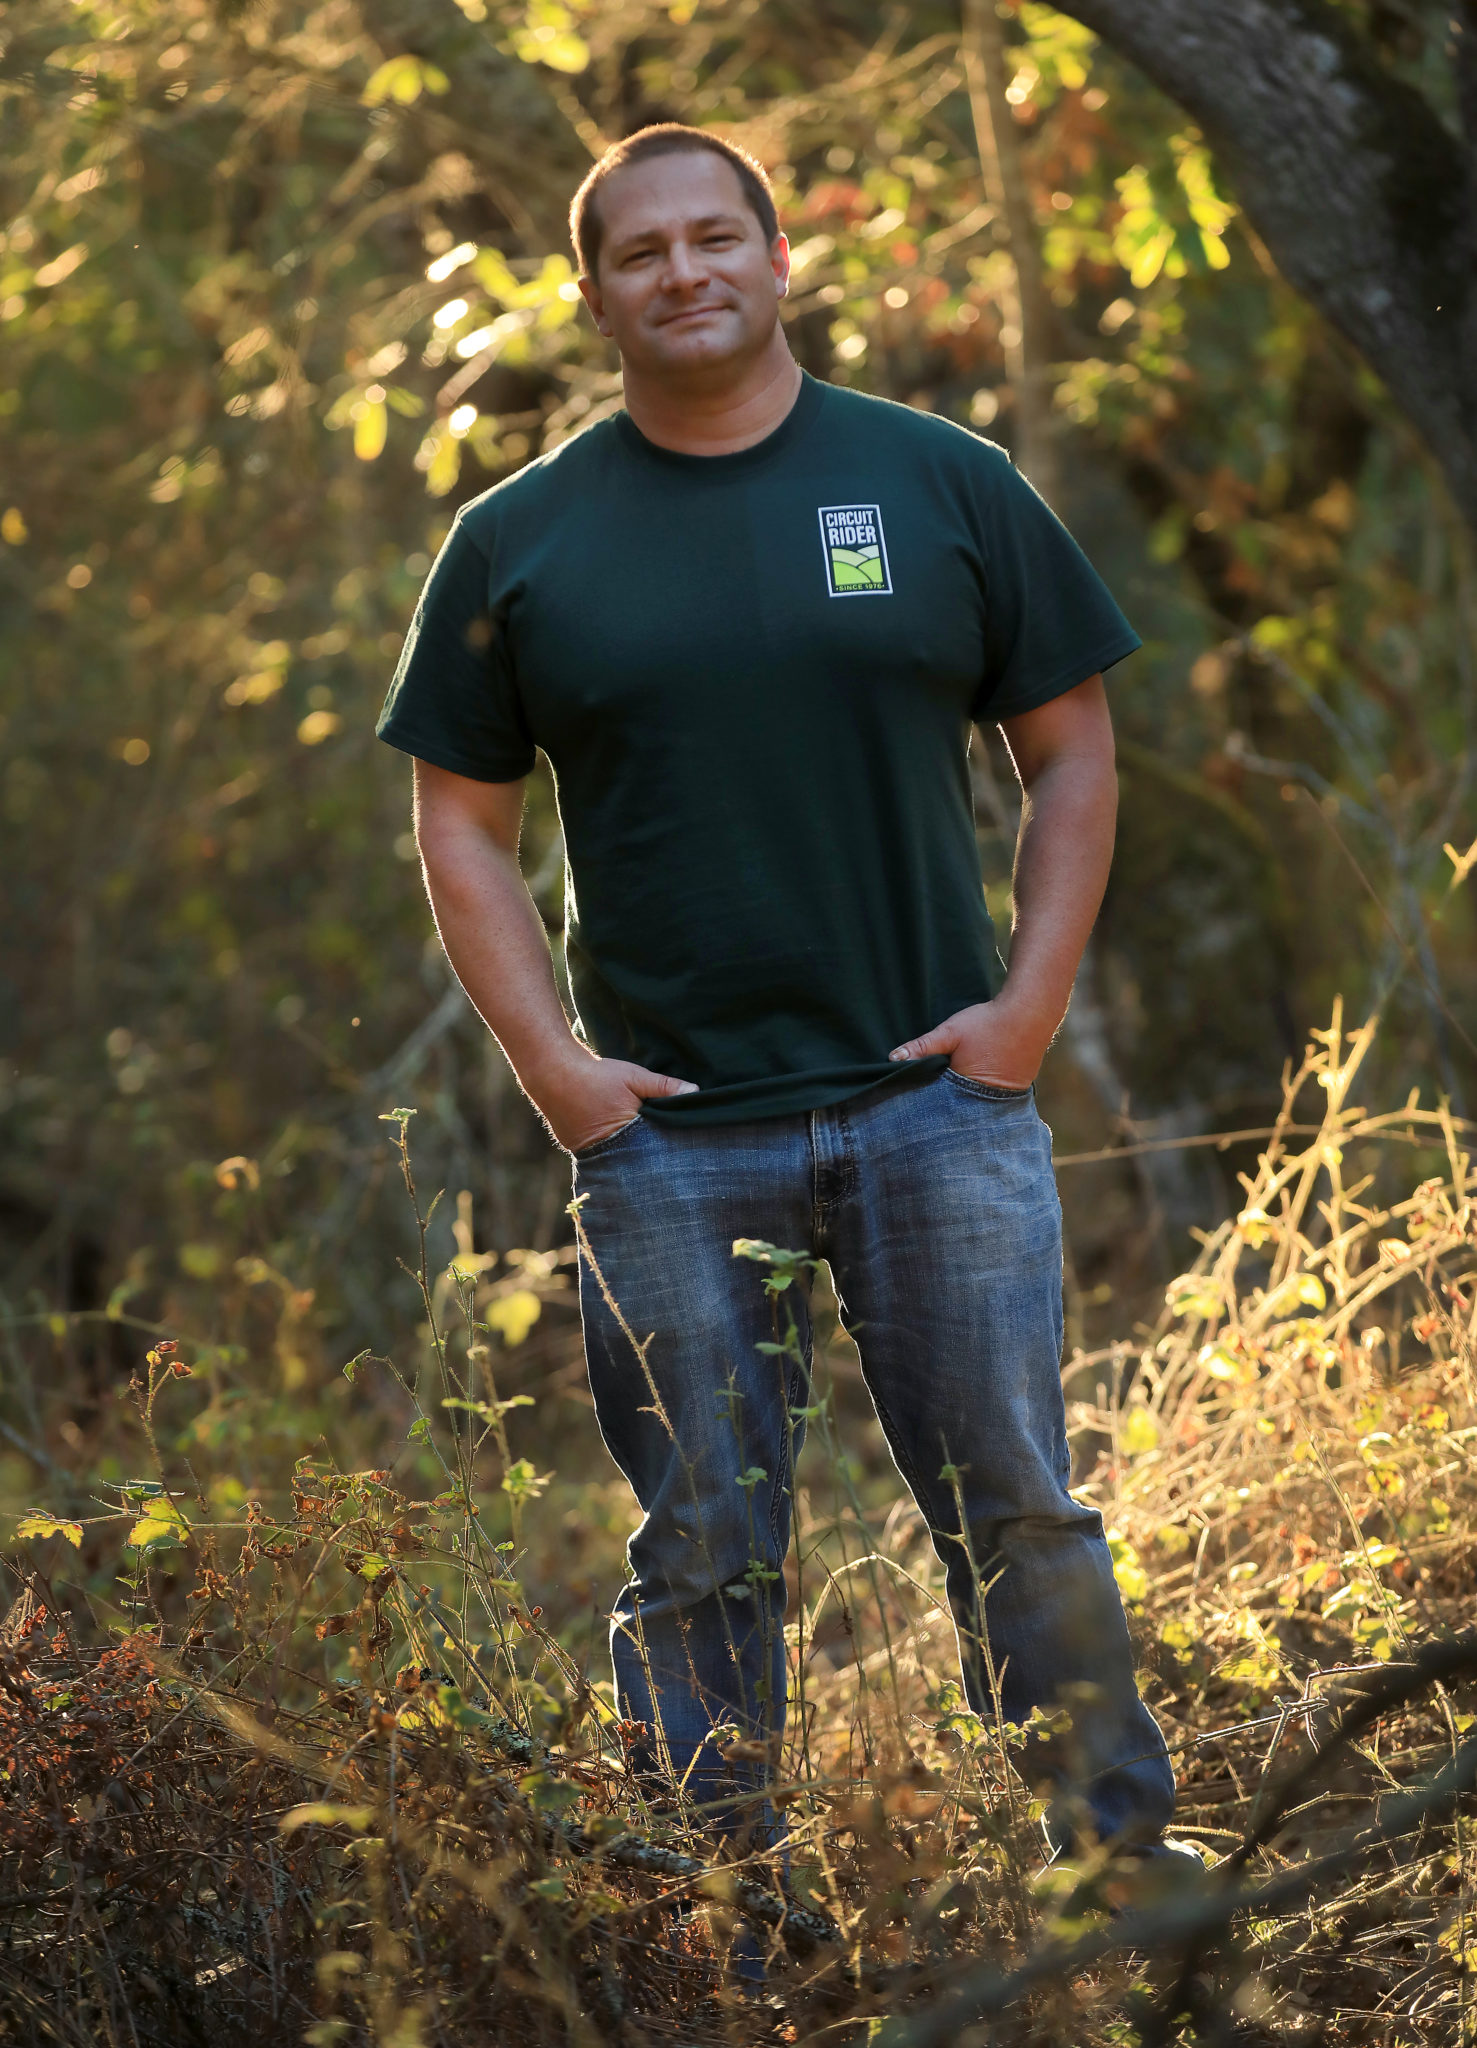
[(686, 286)]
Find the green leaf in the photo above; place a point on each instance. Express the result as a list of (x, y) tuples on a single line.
[(522, 1482), (490, 1411)]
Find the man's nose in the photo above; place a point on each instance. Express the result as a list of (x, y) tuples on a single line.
[(686, 267)]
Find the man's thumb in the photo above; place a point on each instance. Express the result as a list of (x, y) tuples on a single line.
[(942, 1038)]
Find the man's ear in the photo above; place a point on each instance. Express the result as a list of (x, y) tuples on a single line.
[(779, 262), (590, 293)]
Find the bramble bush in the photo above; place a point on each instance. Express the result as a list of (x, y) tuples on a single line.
[(290, 1739)]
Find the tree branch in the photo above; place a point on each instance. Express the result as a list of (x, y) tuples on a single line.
[(1364, 198)]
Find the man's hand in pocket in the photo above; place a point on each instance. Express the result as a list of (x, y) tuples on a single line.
[(987, 1042)]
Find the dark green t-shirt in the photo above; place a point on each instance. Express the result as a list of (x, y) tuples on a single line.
[(754, 677)]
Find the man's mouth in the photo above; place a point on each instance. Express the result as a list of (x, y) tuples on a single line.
[(689, 313)]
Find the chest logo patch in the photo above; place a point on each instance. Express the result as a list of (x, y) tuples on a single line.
[(855, 550)]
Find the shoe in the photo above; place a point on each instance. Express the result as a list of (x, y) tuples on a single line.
[(1121, 1877), (1149, 1874)]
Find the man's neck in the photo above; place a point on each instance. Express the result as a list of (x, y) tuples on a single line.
[(720, 420)]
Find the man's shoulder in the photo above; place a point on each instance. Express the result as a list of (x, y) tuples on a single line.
[(540, 488), (910, 428)]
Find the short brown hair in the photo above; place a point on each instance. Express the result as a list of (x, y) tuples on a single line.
[(664, 138)]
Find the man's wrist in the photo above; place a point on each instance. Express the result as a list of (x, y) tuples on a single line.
[(1024, 1009), (545, 1070)]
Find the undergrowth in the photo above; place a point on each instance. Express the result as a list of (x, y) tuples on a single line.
[(310, 1761)]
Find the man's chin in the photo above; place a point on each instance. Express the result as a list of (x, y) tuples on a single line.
[(704, 347)]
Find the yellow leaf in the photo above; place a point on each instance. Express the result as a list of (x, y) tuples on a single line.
[(318, 726), (38, 1523), (549, 38), (369, 429), (403, 79), (1192, 1295), (514, 1315), (323, 1813), (13, 529), (1385, 1480), (1220, 1363), (1255, 1225), (163, 1523), (1149, 261), (1300, 1290), (440, 456), (1138, 1432), (1176, 1636), (1128, 1570)]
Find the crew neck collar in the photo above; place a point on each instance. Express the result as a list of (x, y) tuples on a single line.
[(807, 404)]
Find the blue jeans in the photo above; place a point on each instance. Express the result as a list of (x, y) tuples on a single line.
[(935, 1205)]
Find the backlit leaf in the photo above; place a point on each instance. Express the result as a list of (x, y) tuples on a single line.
[(39, 1524)]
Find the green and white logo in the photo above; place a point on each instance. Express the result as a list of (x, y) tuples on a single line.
[(856, 553)]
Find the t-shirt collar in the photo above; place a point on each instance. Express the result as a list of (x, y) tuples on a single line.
[(808, 402)]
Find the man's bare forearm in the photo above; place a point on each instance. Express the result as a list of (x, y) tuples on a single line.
[(1062, 860), (467, 832), (1063, 754), (496, 943)]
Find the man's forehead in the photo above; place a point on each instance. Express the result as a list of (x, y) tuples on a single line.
[(690, 189)]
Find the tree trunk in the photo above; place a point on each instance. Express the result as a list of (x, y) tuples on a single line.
[(1026, 329), (1365, 199)]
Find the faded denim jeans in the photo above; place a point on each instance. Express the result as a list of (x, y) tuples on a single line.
[(935, 1205)]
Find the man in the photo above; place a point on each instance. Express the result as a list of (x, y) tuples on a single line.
[(749, 621)]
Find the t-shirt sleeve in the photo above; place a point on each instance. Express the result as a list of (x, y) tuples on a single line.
[(1050, 621), (454, 699)]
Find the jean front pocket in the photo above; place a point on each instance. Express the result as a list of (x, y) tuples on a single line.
[(603, 1145), (987, 1091)]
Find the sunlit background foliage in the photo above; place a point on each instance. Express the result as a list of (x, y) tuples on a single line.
[(282, 284)]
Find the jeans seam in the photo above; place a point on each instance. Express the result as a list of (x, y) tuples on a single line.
[(847, 1177), (904, 1461)]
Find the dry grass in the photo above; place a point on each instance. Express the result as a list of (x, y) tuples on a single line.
[(339, 1781)]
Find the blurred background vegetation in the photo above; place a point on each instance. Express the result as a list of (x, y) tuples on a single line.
[(281, 285)]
